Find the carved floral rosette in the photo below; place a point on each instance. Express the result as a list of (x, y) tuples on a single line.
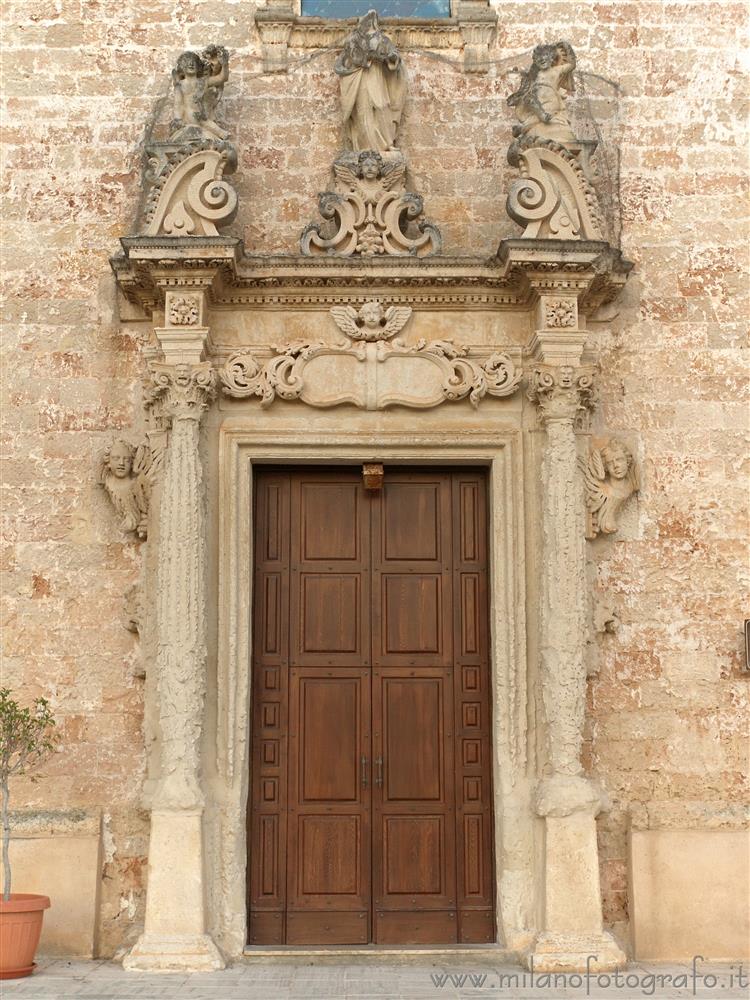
[(372, 375)]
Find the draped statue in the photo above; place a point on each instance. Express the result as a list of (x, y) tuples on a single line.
[(373, 87)]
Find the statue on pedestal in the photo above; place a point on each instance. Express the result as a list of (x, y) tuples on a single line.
[(554, 197), (188, 195), (372, 79), (540, 100)]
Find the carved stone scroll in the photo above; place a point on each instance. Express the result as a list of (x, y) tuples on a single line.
[(371, 376), (553, 198), (370, 212), (189, 195)]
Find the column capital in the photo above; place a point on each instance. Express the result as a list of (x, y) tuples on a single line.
[(562, 392), (179, 392)]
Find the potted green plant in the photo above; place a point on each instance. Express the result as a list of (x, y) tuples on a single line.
[(26, 739)]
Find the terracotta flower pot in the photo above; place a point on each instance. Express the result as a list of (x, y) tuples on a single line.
[(20, 927)]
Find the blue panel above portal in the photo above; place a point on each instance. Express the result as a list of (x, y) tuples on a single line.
[(385, 8)]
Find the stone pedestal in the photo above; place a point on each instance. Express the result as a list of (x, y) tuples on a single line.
[(174, 938)]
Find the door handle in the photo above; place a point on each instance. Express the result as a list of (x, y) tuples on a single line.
[(378, 771), (363, 765)]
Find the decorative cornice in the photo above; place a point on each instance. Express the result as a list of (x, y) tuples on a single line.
[(472, 30), (513, 280)]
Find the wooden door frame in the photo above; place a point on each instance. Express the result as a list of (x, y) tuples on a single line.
[(240, 448)]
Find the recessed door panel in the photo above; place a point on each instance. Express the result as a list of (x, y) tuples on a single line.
[(329, 570), (413, 738), (329, 838), (414, 865)]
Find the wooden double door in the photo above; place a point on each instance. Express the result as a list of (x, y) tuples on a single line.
[(370, 815)]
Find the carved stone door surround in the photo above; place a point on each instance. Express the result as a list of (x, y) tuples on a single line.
[(550, 913)]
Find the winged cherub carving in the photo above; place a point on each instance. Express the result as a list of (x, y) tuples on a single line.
[(540, 100), (124, 476), (371, 322), (368, 175), (611, 477)]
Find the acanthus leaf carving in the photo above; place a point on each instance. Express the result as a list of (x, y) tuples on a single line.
[(563, 392), (372, 374), (370, 212), (610, 476), (179, 392)]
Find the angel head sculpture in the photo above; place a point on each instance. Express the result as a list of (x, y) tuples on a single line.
[(124, 476), (611, 477), (198, 80), (371, 323), (372, 80), (368, 174), (540, 100)]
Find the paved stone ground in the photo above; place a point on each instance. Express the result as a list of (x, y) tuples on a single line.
[(427, 980)]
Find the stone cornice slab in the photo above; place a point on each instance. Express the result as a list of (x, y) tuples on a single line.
[(471, 29), (591, 272)]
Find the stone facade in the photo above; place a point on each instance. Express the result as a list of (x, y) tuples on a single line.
[(666, 700)]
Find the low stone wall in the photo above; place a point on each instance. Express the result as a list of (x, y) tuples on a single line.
[(59, 854)]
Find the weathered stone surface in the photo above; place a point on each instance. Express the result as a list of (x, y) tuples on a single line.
[(668, 708)]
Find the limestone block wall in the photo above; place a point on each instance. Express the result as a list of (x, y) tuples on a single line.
[(87, 81)]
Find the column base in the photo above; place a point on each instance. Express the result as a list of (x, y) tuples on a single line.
[(563, 952), (174, 954)]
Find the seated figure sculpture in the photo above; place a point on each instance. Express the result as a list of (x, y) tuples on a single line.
[(198, 85), (554, 197), (188, 195), (539, 101)]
